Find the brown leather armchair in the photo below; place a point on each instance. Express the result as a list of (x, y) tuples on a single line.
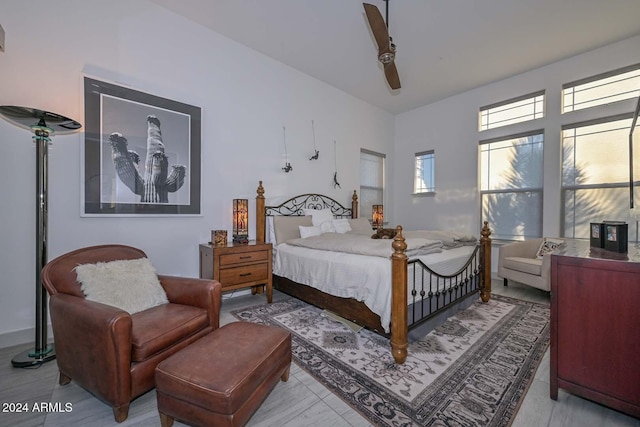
[(109, 352)]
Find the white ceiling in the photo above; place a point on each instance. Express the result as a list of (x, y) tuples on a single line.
[(444, 47)]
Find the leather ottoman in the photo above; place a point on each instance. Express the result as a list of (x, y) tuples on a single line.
[(222, 379)]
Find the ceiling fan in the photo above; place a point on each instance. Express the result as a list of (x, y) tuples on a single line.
[(386, 48)]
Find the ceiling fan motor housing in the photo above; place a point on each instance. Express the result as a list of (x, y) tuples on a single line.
[(390, 55)]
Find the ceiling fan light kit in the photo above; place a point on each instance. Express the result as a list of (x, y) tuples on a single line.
[(386, 47)]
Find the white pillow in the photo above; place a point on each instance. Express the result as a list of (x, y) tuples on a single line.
[(360, 226), (547, 246), (286, 227), (341, 225), (309, 231), (327, 227), (318, 216), (131, 285)]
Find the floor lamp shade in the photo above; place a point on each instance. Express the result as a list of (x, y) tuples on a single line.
[(43, 125)]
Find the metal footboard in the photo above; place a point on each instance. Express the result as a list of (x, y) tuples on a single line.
[(430, 292)]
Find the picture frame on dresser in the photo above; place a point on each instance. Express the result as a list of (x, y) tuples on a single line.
[(141, 154), (596, 237)]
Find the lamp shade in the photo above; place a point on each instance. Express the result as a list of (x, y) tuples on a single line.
[(377, 216), (240, 220)]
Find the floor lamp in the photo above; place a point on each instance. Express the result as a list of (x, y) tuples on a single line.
[(634, 213), (43, 125)]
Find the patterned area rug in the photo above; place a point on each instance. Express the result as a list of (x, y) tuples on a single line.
[(473, 370)]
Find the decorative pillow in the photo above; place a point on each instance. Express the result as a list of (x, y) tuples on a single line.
[(384, 233), (360, 226), (131, 285), (341, 225), (312, 230), (318, 216), (286, 227), (547, 246), (327, 227)]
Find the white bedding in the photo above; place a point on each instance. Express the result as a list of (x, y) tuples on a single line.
[(364, 245), (365, 278)]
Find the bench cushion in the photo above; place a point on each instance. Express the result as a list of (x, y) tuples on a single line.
[(157, 328), (223, 370), (525, 265)]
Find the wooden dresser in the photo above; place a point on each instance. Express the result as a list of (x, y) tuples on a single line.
[(595, 325), (238, 266)]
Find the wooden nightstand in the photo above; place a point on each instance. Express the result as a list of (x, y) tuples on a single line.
[(238, 266)]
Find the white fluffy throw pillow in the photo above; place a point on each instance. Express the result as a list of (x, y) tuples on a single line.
[(341, 225), (131, 285)]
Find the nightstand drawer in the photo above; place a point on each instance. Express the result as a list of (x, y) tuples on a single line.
[(238, 266), (238, 275), (243, 258)]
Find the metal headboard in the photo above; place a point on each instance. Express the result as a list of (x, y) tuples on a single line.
[(296, 205)]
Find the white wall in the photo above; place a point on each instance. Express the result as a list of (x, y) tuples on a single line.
[(450, 127), (245, 97)]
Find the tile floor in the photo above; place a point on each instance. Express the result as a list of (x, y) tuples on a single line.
[(302, 401)]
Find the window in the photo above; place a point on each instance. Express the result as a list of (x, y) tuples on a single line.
[(371, 181), (516, 110), (595, 173), (511, 172), (424, 182), (602, 89)]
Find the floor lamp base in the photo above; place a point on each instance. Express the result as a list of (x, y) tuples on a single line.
[(31, 358)]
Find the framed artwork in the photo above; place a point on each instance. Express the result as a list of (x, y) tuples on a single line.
[(616, 236), (596, 239), (141, 153)]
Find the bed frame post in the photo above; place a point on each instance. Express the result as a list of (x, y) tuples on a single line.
[(399, 341), (260, 215), (485, 260), (354, 205)]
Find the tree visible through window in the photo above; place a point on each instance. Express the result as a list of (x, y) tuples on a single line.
[(511, 172), (595, 174)]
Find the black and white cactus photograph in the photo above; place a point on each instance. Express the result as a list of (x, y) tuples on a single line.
[(142, 153)]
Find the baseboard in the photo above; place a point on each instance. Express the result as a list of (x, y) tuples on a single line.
[(24, 336)]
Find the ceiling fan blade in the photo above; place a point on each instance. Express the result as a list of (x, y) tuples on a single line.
[(391, 73), (378, 27)]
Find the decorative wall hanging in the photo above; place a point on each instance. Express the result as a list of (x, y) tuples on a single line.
[(141, 153), (336, 184), (317, 153), (287, 166)]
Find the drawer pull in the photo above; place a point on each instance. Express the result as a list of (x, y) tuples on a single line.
[(246, 257), (245, 274)]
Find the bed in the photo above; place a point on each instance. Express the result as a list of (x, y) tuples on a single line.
[(415, 289)]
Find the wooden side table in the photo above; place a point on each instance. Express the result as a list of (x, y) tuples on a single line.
[(238, 266), (595, 297)]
